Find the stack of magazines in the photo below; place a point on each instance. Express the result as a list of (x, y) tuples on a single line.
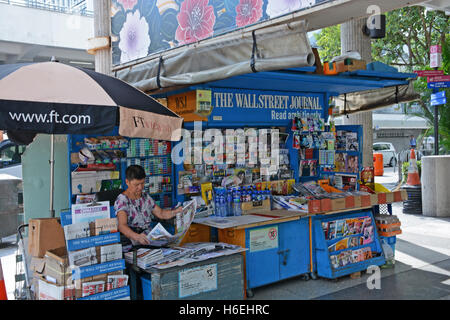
[(145, 257), (294, 203)]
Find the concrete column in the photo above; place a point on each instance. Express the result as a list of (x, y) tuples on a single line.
[(353, 39), (435, 180), (102, 28)]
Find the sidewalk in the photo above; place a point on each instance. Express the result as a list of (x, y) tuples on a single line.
[(421, 271)]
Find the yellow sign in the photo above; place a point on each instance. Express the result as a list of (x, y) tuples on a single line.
[(192, 105)]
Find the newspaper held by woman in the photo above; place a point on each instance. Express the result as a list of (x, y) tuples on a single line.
[(159, 236)]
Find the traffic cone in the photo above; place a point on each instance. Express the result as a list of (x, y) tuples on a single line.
[(3, 295), (413, 172)]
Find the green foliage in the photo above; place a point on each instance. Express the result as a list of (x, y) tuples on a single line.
[(405, 166), (329, 42), (410, 31)]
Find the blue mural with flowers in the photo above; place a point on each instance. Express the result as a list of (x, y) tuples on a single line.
[(143, 27)]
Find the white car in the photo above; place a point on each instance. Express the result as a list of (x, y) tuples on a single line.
[(10, 159), (388, 151)]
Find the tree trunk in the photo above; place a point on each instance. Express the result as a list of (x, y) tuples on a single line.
[(102, 28), (352, 38)]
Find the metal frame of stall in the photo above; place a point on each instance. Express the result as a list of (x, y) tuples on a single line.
[(290, 82)]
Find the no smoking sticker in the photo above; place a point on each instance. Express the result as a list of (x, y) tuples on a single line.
[(263, 239)]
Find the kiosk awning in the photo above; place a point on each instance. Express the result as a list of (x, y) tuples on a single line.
[(270, 48)]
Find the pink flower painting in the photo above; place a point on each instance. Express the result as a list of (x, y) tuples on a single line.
[(195, 21), (248, 12), (127, 4)]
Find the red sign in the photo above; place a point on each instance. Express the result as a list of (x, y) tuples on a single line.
[(429, 73), (436, 49), (438, 79)]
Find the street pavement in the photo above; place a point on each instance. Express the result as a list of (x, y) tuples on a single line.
[(421, 270)]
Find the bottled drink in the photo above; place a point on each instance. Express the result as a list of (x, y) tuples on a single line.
[(229, 204), (237, 211), (223, 206)]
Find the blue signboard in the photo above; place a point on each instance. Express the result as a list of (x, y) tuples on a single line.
[(101, 240), (441, 84), (436, 102), (251, 107), (96, 269), (114, 294), (438, 95)]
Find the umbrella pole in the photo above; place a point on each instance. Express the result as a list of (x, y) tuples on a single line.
[(52, 169)]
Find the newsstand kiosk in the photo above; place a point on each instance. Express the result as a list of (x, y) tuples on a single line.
[(330, 237)]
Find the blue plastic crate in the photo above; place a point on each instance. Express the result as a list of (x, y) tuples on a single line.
[(146, 288)]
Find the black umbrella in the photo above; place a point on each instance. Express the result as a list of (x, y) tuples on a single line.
[(54, 98)]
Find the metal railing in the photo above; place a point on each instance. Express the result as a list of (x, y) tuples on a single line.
[(72, 7)]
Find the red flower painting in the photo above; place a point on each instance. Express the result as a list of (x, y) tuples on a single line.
[(127, 4), (248, 12), (195, 21)]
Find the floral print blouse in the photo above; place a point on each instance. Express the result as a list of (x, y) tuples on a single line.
[(139, 211)]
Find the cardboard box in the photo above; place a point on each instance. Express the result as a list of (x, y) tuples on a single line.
[(255, 206), (337, 204), (37, 265), (397, 196), (366, 201), (57, 266), (381, 198), (404, 195), (350, 65), (357, 201), (373, 199), (50, 291), (349, 202), (325, 205), (389, 197), (314, 206), (44, 234)]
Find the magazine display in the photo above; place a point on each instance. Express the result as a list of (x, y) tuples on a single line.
[(345, 234)]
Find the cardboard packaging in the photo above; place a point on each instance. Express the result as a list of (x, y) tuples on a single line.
[(50, 291), (366, 201), (357, 201), (349, 202), (350, 65), (255, 206), (389, 197), (373, 199), (404, 194), (325, 204), (397, 196), (337, 204), (44, 234), (381, 198), (314, 206), (57, 266)]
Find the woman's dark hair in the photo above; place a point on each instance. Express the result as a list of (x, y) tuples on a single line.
[(135, 172)]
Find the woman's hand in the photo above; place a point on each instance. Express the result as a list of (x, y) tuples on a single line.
[(141, 238)]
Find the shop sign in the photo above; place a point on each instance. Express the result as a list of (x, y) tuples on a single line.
[(191, 106), (197, 280), (263, 106), (264, 239)]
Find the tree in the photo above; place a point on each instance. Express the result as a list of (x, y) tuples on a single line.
[(410, 31)]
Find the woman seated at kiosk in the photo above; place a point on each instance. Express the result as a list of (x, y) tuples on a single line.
[(135, 209)]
